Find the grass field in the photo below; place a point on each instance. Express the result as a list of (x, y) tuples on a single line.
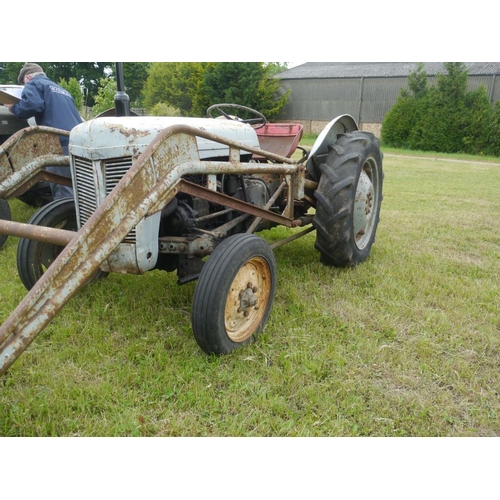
[(407, 344)]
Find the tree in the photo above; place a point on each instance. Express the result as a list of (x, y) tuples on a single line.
[(275, 68), (417, 81), (400, 120), (494, 131), (105, 98), (174, 83), (9, 71), (400, 126), (73, 87), (453, 84), (193, 87), (445, 117), (479, 116), (87, 74), (162, 109), (135, 75), (247, 83)]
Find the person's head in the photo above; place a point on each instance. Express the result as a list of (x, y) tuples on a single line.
[(28, 71)]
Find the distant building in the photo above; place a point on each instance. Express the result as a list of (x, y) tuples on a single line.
[(320, 91)]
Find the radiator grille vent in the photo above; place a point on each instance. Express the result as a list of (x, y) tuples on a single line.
[(94, 181)]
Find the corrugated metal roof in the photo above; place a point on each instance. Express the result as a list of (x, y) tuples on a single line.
[(315, 70)]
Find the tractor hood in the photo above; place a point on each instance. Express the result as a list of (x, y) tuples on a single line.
[(112, 137)]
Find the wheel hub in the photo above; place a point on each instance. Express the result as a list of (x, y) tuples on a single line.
[(363, 204), (248, 298), (249, 292)]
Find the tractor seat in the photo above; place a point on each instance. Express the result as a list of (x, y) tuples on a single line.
[(279, 138)]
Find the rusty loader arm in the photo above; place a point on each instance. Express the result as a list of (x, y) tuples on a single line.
[(154, 179)]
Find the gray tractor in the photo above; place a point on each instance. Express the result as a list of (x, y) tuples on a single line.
[(190, 195)]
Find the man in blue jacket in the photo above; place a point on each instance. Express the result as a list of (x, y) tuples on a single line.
[(51, 106)]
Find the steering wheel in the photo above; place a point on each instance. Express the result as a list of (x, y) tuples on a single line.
[(260, 119)]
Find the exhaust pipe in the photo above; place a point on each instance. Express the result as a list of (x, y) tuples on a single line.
[(122, 100)]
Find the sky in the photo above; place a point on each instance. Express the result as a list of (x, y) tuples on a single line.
[(259, 31)]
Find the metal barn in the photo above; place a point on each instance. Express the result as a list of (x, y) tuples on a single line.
[(366, 91)]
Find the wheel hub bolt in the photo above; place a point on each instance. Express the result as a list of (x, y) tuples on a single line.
[(247, 298)]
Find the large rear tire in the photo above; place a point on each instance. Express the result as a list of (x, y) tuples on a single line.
[(234, 294), (349, 196)]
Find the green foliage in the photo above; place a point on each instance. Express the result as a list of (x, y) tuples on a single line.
[(494, 130), (443, 118), (446, 114), (400, 121), (478, 117), (274, 68), (135, 75), (88, 74), (73, 87), (9, 71), (401, 125), (173, 83), (190, 87), (247, 83), (453, 84), (162, 109), (418, 82), (105, 98), (193, 87)]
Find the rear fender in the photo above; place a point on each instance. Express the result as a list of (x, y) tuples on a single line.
[(328, 136)]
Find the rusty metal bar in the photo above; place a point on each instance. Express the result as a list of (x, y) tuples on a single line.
[(21, 180), (223, 199), (27, 144), (293, 237), (221, 231), (24, 156), (40, 233), (42, 175), (312, 185)]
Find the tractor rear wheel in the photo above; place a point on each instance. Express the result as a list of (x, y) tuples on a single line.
[(349, 196), (234, 294), (5, 214)]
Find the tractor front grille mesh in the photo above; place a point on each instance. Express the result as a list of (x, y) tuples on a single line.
[(94, 181)]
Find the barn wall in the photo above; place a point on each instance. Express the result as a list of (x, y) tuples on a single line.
[(314, 102)]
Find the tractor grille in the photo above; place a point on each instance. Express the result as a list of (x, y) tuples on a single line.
[(94, 181)]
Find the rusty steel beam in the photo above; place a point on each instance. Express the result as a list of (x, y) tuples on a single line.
[(40, 233), (41, 175), (24, 156), (27, 144), (227, 201), (18, 182)]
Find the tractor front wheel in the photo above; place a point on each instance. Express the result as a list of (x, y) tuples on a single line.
[(349, 196), (34, 257), (234, 294), (5, 214)]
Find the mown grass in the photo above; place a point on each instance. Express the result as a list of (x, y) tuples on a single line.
[(407, 344)]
